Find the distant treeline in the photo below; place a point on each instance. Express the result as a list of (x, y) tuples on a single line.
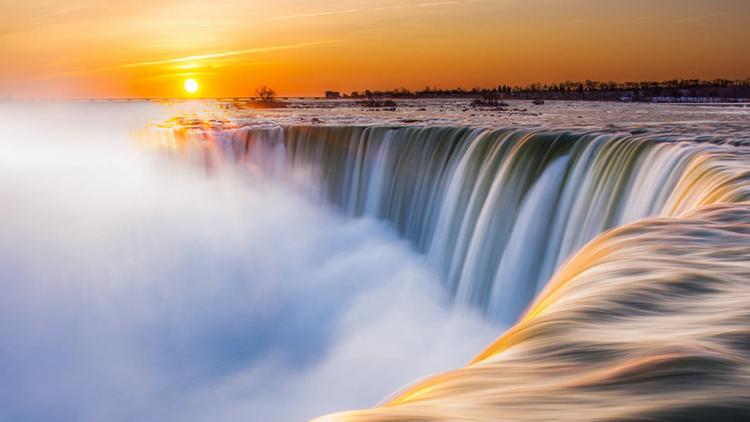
[(684, 90)]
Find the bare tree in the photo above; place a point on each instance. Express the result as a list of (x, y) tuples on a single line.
[(376, 100), (489, 98), (266, 94)]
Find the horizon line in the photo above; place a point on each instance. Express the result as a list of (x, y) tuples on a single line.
[(468, 91)]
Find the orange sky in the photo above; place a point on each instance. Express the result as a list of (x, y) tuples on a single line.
[(129, 48)]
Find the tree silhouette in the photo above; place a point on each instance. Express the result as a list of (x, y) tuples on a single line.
[(266, 94)]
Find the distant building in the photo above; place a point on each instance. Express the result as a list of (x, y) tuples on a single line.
[(333, 95)]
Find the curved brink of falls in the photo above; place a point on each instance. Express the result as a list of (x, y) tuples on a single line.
[(496, 211)]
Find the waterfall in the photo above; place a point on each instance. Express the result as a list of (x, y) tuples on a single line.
[(497, 211)]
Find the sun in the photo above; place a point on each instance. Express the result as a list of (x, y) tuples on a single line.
[(191, 86)]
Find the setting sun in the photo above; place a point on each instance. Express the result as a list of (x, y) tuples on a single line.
[(191, 86)]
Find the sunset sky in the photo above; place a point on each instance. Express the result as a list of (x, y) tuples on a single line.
[(128, 48)]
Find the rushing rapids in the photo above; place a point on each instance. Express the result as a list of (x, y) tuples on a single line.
[(496, 211), (649, 322)]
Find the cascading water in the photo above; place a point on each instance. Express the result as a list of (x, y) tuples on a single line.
[(496, 211), (135, 288)]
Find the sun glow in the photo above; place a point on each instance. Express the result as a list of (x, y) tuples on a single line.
[(191, 86)]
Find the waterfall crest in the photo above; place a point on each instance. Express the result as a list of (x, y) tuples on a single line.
[(497, 211)]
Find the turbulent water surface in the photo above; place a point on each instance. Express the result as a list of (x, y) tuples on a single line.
[(648, 323), (198, 261)]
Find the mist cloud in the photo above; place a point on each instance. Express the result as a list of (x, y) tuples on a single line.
[(136, 288)]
